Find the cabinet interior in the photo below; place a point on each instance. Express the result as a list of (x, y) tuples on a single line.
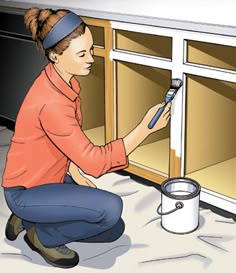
[(92, 96), (138, 89), (220, 56), (211, 133), (149, 44)]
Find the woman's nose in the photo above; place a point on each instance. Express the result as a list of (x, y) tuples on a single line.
[(90, 59)]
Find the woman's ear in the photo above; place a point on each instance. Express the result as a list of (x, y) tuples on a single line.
[(53, 57)]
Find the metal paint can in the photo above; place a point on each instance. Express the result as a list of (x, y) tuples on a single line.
[(179, 205)]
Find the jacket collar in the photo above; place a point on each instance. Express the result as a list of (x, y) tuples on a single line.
[(70, 92)]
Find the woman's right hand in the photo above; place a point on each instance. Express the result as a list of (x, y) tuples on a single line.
[(141, 131), (162, 121)]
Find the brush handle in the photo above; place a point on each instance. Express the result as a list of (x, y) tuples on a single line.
[(156, 117)]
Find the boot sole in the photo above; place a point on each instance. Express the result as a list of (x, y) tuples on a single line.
[(45, 258)]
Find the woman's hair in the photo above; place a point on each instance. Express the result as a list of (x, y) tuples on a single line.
[(41, 21)]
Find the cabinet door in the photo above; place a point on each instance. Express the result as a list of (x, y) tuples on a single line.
[(21, 63)]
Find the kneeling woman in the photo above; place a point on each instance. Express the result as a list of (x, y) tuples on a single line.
[(48, 143)]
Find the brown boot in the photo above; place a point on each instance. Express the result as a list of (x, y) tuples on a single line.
[(14, 227), (60, 256)]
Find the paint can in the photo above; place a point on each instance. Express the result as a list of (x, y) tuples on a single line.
[(179, 208)]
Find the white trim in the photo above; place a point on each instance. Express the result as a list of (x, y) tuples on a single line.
[(176, 109), (209, 72), (144, 29), (187, 68), (185, 51), (166, 32), (142, 59), (183, 127), (218, 200), (209, 38)]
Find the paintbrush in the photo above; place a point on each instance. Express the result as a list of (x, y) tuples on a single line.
[(175, 86)]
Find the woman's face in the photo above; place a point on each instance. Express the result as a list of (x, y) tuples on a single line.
[(77, 59)]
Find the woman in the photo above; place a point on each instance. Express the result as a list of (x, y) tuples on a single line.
[(56, 208)]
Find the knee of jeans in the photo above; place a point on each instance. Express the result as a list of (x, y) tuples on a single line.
[(113, 210)]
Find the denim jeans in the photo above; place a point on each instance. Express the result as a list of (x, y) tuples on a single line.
[(67, 212)]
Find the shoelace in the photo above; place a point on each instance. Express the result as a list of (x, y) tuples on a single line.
[(20, 228), (63, 249)]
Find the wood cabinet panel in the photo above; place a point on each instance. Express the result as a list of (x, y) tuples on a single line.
[(93, 95)]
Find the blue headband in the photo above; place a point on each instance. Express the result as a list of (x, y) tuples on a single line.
[(61, 29)]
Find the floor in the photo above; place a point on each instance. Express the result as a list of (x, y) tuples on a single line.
[(145, 246)]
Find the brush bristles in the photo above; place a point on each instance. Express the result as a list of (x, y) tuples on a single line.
[(176, 83)]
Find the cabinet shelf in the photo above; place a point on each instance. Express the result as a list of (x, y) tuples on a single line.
[(153, 156), (219, 177)]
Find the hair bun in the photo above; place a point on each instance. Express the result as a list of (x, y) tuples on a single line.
[(34, 19), (43, 15)]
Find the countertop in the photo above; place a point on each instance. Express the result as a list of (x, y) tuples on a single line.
[(210, 16)]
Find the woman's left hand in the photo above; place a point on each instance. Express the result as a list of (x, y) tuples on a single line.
[(78, 177), (81, 180)]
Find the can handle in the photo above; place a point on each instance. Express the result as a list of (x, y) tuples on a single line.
[(178, 205)]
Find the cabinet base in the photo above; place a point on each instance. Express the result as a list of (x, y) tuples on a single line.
[(217, 203)]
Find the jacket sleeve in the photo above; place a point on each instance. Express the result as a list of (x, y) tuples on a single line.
[(62, 128)]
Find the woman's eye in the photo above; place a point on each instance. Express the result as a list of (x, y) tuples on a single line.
[(82, 55)]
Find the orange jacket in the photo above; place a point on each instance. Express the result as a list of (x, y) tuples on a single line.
[(48, 136)]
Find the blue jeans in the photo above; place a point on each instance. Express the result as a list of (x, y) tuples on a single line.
[(67, 212)]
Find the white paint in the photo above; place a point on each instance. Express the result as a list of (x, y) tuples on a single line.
[(218, 200), (142, 59), (177, 104)]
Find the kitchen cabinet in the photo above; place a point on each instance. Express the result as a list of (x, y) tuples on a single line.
[(200, 140), (134, 65)]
